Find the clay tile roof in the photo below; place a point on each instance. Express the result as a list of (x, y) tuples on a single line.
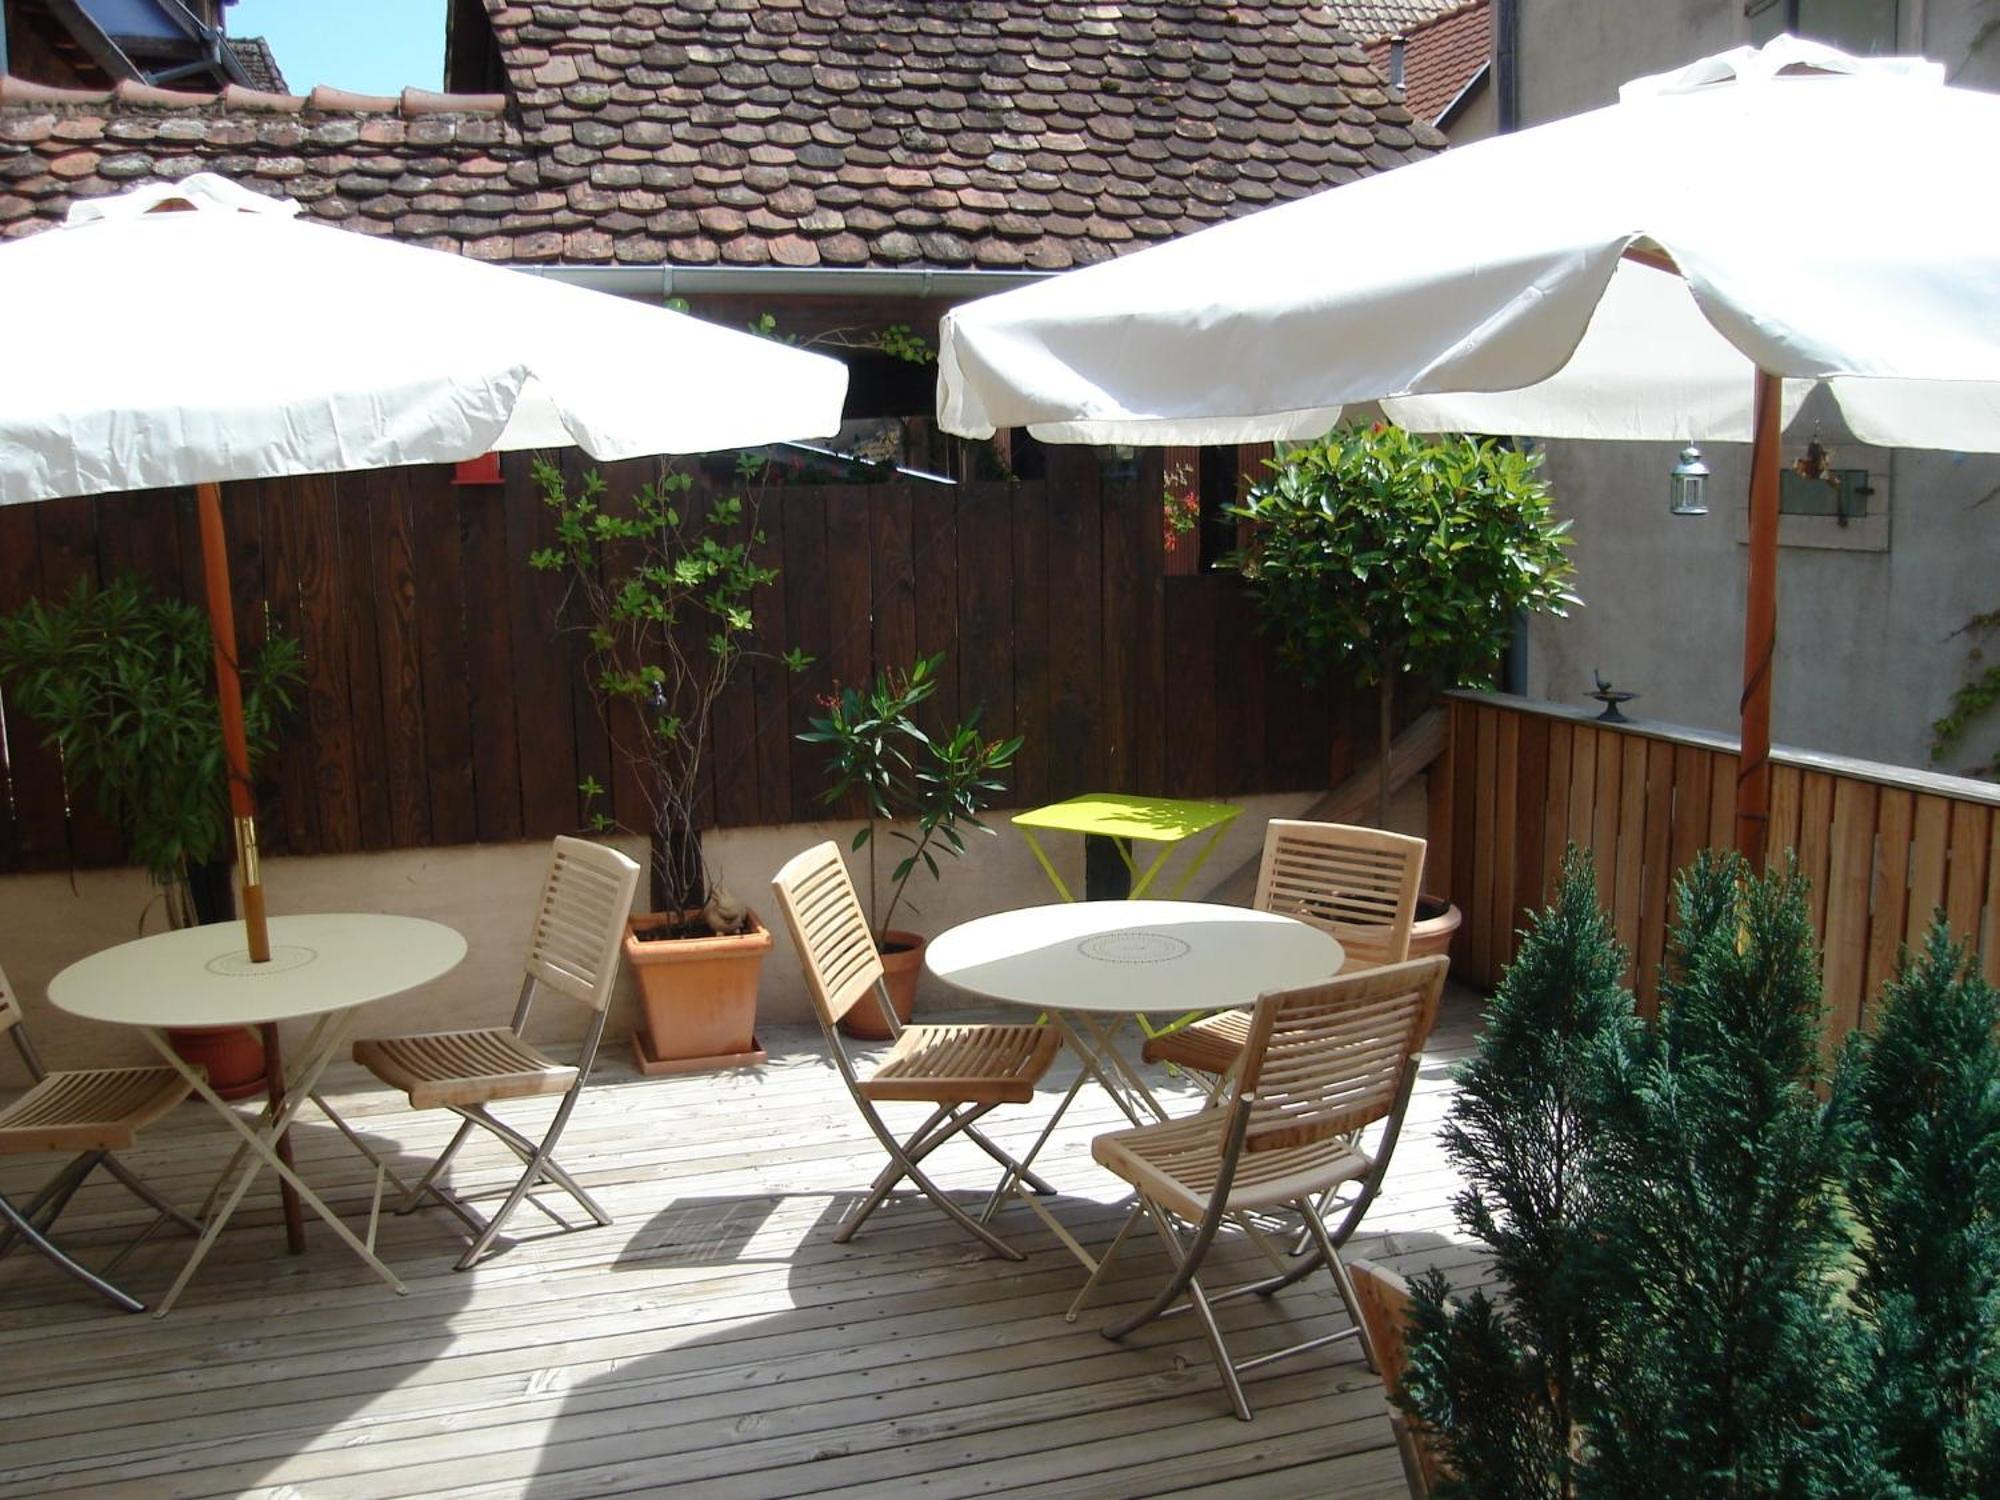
[(990, 134), (428, 167), (259, 64), (945, 133), (1372, 20), (1440, 58)]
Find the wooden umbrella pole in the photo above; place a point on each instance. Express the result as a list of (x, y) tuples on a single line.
[(243, 809), (1760, 628), (229, 700)]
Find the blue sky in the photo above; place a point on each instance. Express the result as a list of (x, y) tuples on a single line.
[(368, 46)]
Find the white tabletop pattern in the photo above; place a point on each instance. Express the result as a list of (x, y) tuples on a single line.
[(202, 976), (1123, 957)]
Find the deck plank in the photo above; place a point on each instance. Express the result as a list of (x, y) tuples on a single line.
[(714, 1340)]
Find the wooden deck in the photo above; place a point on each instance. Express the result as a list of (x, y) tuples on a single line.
[(713, 1341)]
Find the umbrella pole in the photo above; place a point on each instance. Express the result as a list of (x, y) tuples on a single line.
[(243, 807), (1760, 629)]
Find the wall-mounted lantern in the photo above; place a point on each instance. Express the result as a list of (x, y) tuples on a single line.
[(1688, 488)]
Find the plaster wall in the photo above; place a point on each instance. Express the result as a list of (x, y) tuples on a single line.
[(486, 891), (1867, 651)]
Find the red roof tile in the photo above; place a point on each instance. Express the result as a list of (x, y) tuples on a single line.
[(948, 133), (1440, 58)]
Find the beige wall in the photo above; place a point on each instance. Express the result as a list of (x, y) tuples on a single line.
[(486, 892)]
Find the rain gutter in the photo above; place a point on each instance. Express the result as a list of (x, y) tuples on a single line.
[(665, 281)]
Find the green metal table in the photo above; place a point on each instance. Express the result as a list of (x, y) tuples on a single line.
[(1126, 820)]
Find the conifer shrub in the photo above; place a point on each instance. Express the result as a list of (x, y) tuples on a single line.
[(1918, 1097)]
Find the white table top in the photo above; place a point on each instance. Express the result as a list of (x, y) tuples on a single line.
[(202, 976), (1122, 957)]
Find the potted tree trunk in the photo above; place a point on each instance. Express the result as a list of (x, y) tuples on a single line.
[(119, 681), (936, 784), (1409, 559), (661, 585)]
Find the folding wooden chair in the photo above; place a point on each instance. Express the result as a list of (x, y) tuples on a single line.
[(92, 1112), (1322, 1063), (1360, 884), (573, 949), (1385, 1309), (962, 1071)]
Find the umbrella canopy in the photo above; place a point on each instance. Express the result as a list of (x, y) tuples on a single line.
[(366, 354), (1543, 265), (1661, 269)]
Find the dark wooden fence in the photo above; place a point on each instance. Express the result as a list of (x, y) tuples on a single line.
[(443, 708)]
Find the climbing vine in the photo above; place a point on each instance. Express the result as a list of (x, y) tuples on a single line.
[(1973, 697)]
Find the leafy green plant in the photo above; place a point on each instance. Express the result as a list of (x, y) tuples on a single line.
[(939, 783), (1401, 556), (1498, 1385), (1919, 1095), (118, 679), (662, 589)]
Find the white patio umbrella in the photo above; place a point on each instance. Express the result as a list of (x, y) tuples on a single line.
[(127, 370), (1665, 268)]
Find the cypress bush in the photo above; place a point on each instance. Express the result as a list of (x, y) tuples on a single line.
[(1919, 1099)]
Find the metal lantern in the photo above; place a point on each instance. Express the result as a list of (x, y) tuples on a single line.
[(1688, 488)]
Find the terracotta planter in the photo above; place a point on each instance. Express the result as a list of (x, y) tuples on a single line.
[(1437, 923), (699, 997), (233, 1056), (902, 964)]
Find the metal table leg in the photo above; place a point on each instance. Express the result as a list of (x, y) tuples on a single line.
[(328, 1039)]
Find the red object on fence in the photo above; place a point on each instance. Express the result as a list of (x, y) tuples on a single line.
[(484, 469)]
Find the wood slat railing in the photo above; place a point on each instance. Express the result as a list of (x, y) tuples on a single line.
[(1883, 847)]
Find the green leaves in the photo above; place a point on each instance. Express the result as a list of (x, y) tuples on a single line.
[(1397, 553), (941, 783), (662, 589), (118, 680)]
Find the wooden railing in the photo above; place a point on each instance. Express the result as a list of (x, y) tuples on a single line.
[(1883, 847)]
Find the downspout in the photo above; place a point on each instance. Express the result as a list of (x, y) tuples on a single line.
[(4, 69), (1506, 49)]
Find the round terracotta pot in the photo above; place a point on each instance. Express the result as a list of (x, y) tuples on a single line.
[(233, 1056), (699, 996), (902, 964), (1437, 923)]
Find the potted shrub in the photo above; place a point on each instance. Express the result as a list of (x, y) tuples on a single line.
[(939, 784), (1406, 558), (661, 589), (119, 680)]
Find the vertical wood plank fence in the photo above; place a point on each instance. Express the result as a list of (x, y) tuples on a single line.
[(441, 707), (1882, 847)]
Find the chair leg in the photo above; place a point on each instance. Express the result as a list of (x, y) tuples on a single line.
[(18, 1225), (906, 1165), (1186, 1263), (140, 1189), (1018, 1170), (542, 1156), (891, 1174), (1342, 1280), (47, 1205), (415, 1195)]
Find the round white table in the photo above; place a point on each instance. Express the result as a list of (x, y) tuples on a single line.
[(323, 966), (1094, 967)]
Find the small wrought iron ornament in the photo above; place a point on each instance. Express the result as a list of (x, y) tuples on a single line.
[(1610, 697)]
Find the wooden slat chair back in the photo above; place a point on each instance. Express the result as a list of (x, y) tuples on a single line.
[(1385, 1308), (1360, 884), (836, 949), (575, 941), (1331, 1060), (92, 1113), (961, 1071), (1321, 1064)]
